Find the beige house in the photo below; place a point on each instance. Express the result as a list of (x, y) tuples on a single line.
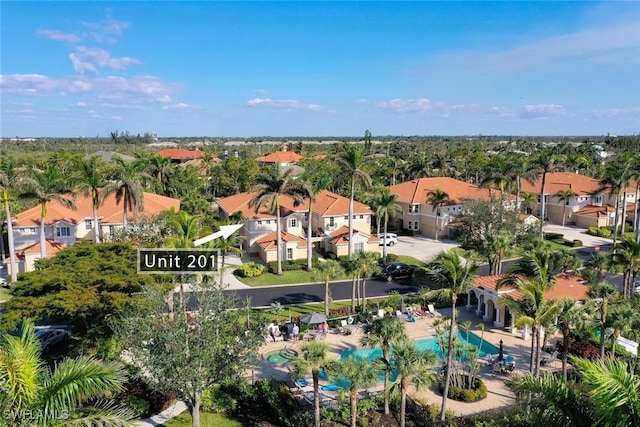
[(422, 218), (589, 206), (64, 226), (362, 242), (485, 299), (330, 213)]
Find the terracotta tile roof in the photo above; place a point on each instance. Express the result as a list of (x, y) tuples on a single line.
[(181, 153), (319, 156), (556, 181), (280, 157), (109, 212), (417, 190), (327, 204), (596, 211), (51, 246), (341, 236), (524, 217), (269, 241), (566, 285)]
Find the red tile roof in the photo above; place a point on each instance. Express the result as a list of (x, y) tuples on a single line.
[(182, 153), (327, 204), (51, 246), (280, 157), (341, 236), (596, 211), (269, 241), (417, 190), (556, 181), (109, 212), (566, 285)]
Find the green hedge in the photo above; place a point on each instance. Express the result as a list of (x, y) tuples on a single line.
[(249, 269), (466, 394), (553, 236)]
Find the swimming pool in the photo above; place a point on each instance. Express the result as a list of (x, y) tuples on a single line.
[(278, 357)]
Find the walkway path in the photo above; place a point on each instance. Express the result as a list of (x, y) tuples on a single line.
[(171, 412)]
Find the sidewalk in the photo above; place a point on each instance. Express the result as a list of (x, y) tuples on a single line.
[(164, 416)]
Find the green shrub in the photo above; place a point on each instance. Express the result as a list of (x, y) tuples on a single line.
[(477, 392), (553, 236), (250, 269), (287, 265), (392, 258), (593, 231), (577, 243)]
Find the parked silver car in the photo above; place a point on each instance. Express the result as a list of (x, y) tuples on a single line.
[(389, 239), (51, 337)]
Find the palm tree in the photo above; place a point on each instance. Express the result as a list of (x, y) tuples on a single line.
[(544, 163), (621, 321), (627, 257), (633, 171), (314, 358), (90, 181), (437, 198), (352, 159), (228, 246), (412, 365), (529, 200), (31, 389), (311, 189), (521, 168), (497, 174), (616, 182), (273, 185), (533, 275), (601, 295), (160, 169), (127, 181), (359, 373), (570, 316), (327, 271), (367, 265), (185, 228), (385, 204), (10, 180), (48, 185), (384, 333), (452, 275), (564, 197)]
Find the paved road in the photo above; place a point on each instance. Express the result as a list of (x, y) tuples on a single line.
[(301, 294)]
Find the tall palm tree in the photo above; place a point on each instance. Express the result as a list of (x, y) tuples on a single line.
[(359, 373), (622, 319), (452, 275), (570, 316), (616, 183), (90, 181), (31, 389), (633, 171), (314, 357), (227, 246), (385, 204), (160, 169), (601, 295), (520, 168), (326, 272), (544, 163), (564, 197), (367, 265), (384, 333), (413, 365), (497, 173), (352, 159), (627, 257), (48, 185), (311, 189), (273, 185), (185, 228), (10, 180), (529, 200), (127, 182), (437, 198)]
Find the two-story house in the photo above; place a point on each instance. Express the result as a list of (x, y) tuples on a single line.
[(64, 226), (330, 214), (421, 217), (590, 205)]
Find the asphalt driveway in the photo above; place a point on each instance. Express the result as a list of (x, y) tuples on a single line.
[(420, 247)]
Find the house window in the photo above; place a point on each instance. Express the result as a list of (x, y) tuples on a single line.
[(332, 222), (293, 222), (63, 232), (415, 225), (88, 224), (409, 225), (361, 216), (358, 247), (346, 217), (112, 229), (259, 222), (289, 253), (414, 208), (28, 231), (598, 200)]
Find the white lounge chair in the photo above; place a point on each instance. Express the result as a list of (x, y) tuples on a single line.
[(433, 311)]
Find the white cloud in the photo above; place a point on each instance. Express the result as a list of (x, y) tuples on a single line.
[(284, 104), (58, 36), (122, 106), (618, 112), (106, 31), (595, 45), (405, 105), (85, 59), (477, 109), (81, 104), (181, 106), (541, 111)]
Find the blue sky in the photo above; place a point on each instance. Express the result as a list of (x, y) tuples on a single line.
[(237, 69)]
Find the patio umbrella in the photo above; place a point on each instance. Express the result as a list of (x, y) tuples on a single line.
[(313, 317), (501, 353)]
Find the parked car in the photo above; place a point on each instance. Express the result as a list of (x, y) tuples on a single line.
[(390, 239), (3, 282), (397, 270), (636, 287), (51, 337)]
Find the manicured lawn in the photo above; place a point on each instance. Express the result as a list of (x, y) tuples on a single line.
[(287, 278), (409, 260), (206, 419), (4, 294)]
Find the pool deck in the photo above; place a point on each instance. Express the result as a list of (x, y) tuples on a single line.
[(498, 395)]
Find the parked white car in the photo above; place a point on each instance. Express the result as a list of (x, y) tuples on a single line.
[(636, 287), (51, 337), (390, 239)]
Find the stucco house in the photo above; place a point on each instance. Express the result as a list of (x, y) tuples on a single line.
[(589, 206), (283, 158), (330, 213), (64, 226), (419, 216), (486, 300)]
